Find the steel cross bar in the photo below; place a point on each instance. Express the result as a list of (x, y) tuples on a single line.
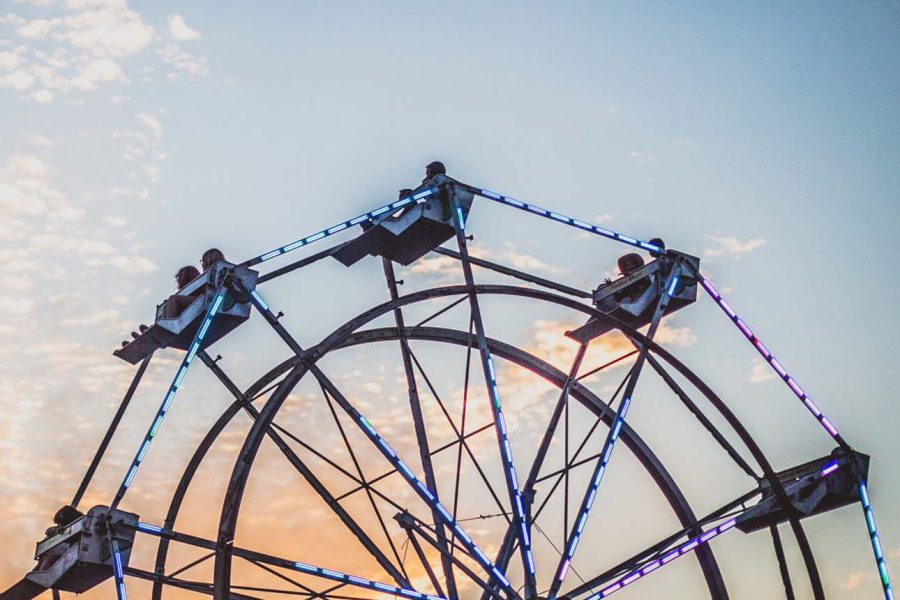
[(883, 575), (309, 476), (704, 420), (214, 307), (772, 361), (301, 567), (687, 547), (574, 537), (413, 526), (415, 407), (324, 233), (559, 218), (417, 548), (520, 520), (385, 449), (559, 287)]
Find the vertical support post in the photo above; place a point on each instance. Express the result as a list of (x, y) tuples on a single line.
[(490, 378), (883, 575), (415, 407), (666, 292)]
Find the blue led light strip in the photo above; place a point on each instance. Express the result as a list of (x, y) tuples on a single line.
[(554, 216), (591, 494), (876, 542), (521, 523), (118, 571), (607, 450), (685, 548), (214, 307), (330, 574), (417, 485), (506, 452), (771, 360), (319, 235)]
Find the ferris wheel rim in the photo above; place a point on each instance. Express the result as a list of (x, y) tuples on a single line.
[(332, 342)]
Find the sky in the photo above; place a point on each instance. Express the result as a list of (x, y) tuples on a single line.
[(763, 138)]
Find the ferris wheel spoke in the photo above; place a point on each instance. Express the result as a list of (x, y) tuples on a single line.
[(300, 466), (284, 577), (417, 485), (386, 474), (704, 420), (415, 406), (590, 494), (522, 524), (415, 527), (423, 560), (657, 549), (459, 435), (369, 495), (508, 545), (574, 462), (277, 561), (462, 419)]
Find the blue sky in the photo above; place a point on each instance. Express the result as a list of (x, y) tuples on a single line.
[(764, 139)]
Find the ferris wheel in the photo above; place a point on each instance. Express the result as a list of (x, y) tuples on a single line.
[(461, 490)]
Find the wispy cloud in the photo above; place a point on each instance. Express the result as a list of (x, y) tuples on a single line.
[(731, 247), (760, 372), (443, 269), (72, 47), (852, 581), (179, 30), (642, 158)]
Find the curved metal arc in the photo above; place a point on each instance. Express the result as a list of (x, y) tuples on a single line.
[(241, 471), (630, 438), (332, 341), (197, 458)]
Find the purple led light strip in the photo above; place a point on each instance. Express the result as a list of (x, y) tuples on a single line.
[(689, 546), (685, 548), (771, 360)]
